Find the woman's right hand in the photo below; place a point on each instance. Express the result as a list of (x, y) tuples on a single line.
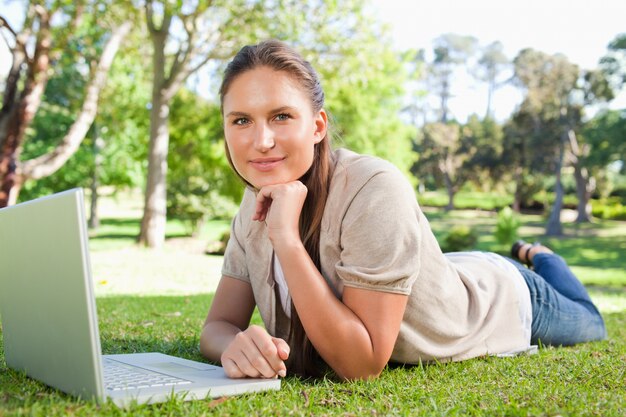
[(254, 353)]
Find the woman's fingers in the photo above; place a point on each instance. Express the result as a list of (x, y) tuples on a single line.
[(282, 347), (263, 203), (253, 353), (231, 369), (279, 206)]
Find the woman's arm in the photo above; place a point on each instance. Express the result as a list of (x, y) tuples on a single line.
[(355, 336), (243, 353)]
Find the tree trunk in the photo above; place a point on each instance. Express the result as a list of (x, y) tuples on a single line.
[(517, 198), (19, 109), (585, 186), (155, 204), (451, 191), (554, 226), (445, 94), (490, 90), (152, 233), (94, 218), (585, 183)]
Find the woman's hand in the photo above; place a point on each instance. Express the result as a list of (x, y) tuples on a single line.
[(254, 353), (279, 206)]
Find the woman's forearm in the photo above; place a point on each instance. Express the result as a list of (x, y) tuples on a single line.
[(338, 334), (215, 338)]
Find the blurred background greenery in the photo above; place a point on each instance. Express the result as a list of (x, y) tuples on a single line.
[(120, 98)]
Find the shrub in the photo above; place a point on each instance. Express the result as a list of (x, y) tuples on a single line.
[(619, 192), (609, 208), (219, 246), (460, 238), (507, 226)]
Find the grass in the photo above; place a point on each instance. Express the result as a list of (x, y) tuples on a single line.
[(586, 379)]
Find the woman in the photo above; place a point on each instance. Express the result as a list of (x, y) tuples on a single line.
[(335, 252)]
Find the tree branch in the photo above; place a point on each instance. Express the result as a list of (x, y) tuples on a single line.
[(47, 164), (150, 17), (4, 23)]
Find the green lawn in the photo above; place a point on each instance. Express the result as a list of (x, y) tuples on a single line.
[(587, 379)]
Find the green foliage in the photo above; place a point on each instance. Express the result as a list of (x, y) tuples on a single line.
[(482, 142), (201, 183), (609, 208), (121, 118), (614, 62), (362, 77), (466, 200), (605, 134), (507, 226), (459, 238)]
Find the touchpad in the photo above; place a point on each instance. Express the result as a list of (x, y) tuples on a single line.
[(177, 367)]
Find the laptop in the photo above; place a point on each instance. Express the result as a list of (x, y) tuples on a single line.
[(49, 321)]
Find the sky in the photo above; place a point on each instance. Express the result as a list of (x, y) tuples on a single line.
[(579, 29)]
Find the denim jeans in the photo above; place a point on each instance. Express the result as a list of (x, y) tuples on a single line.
[(563, 313)]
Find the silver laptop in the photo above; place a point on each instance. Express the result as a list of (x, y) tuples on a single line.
[(49, 321)]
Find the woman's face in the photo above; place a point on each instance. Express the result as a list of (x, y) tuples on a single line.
[(270, 127)]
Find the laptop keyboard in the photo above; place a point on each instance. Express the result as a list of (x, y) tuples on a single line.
[(119, 376)]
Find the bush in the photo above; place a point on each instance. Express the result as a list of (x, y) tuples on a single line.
[(460, 238), (507, 226), (619, 192), (219, 246), (608, 209)]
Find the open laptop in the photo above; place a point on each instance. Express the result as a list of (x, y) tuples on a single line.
[(49, 320)]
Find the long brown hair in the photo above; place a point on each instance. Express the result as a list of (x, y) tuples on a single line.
[(276, 55)]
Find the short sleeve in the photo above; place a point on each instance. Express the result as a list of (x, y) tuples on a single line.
[(380, 236), (235, 255)]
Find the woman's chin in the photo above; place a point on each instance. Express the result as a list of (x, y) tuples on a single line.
[(258, 184)]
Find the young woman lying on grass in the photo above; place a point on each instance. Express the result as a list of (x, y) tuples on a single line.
[(333, 249)]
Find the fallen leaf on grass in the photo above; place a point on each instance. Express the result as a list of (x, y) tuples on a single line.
[(306, 398), (216, 402)]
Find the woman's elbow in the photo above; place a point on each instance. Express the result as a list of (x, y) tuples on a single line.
[(361, 373), (206, 348)]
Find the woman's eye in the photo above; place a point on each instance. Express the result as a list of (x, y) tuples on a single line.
[(240, 121), (282, 117)]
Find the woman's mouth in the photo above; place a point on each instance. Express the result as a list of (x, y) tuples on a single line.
[(266, 164)]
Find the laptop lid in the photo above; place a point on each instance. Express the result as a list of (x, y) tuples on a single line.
[(48, 313)]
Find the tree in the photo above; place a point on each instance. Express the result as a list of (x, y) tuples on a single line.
[(491, 64), (548, 81), (523, 156), (115, 144), (198, 33), (451, 50), (613, 64), (604, 136), (34, 49), (557, 93), (593, 87), (481, 142), (333, 34), (440, 154)]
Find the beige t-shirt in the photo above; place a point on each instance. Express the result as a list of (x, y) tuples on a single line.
[(375, 236)]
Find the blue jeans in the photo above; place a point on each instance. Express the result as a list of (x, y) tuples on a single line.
[(563, 313)]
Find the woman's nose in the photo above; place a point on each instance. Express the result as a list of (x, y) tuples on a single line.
[(264, 139)]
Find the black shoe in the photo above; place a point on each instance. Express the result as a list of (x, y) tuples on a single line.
[(516, 248)]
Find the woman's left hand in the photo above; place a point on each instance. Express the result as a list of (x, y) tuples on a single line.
[(280, 205)]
